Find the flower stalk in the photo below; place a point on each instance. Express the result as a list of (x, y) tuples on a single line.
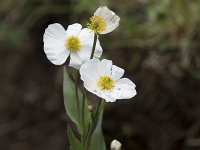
[(95, 119), (77, 96), (94, 45), (83, 136), (94, 122)]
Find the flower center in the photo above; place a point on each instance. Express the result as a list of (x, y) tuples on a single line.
[(96, 24), (73, 43), (105, 83)]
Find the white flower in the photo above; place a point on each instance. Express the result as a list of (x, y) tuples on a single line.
[(104, 79), (59, 44), (103, 21), (115, 145)]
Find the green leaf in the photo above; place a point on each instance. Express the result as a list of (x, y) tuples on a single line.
[(97, 141), (74, 142), (71, 104)]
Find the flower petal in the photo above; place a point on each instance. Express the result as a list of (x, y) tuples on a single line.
[(75, 61), (89, 74), (54, 47), (85, 52), (89, 70), (55, 52), (105, 67), (74, 29), (98, 50), (124, 89), (54, 31), (103, 12), (110, 18), (86, 35), (117, 73), (91, 88), (112, 23), (108, 97)]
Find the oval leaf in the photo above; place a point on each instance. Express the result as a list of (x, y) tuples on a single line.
[(70, 103)]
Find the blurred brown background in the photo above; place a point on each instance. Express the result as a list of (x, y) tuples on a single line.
[(157, 43)]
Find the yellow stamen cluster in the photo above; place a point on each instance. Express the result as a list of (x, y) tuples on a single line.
[(97, 24), (73, 43), (105, 83)]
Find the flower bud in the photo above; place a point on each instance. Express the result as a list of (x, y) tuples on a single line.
[(115, 145), (91, 108)]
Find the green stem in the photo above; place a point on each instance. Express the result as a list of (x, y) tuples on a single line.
[(86, 142), (94, 45), (94, 123), (83, 121), (98, 108), (91, 130), (77, 98)]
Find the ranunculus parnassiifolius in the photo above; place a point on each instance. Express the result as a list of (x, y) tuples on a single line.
[(103, 21), (104, 79), (75, 41)]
